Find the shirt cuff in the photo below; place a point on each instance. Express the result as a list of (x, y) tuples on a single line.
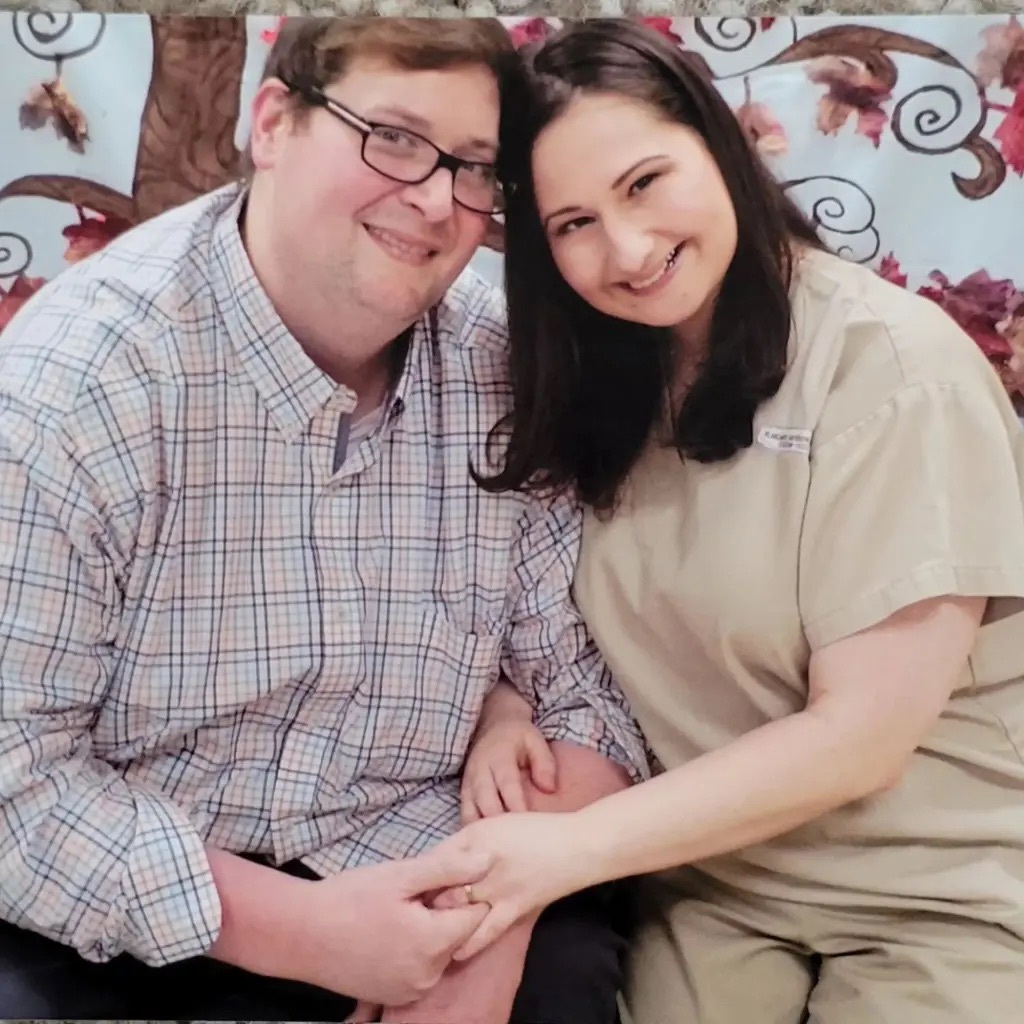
[(169, 908)]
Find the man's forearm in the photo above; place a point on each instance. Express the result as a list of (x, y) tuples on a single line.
[(263, 919)]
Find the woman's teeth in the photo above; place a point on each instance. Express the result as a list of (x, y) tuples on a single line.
[(670, 262)]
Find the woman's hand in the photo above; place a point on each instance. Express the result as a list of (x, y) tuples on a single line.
[(537, 859), (492, 781), (507, 747)]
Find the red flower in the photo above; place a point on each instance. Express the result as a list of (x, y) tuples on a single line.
[(980, 306), (1010, 134), (269, 35), (891, 270), (529, 30), (91, 233), (16, 296), (664, 26)]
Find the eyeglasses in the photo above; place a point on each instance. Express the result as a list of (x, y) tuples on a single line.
[(405, 156)]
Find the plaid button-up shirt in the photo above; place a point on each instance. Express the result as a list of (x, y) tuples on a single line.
[(209, 634)]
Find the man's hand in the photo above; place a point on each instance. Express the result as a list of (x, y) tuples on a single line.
[(374, 936), (368, 933)]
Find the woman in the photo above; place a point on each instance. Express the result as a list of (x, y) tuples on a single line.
[(804, 559)]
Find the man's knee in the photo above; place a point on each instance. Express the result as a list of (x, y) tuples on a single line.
[(574, 966)]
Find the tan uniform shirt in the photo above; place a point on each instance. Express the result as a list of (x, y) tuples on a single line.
[(888, 469)]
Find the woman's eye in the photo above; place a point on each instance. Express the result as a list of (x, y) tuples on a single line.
[(570, 226), (641, 183)]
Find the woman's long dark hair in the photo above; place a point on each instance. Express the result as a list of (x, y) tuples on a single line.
[(589, 388)]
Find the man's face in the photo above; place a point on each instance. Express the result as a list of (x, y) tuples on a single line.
[(376, 245)]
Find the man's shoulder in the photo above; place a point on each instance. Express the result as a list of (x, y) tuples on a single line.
[(114, 315)]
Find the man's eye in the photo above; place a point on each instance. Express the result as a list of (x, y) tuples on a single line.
[(394, 137)]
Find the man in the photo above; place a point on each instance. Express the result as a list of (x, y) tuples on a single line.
[(251, 601)]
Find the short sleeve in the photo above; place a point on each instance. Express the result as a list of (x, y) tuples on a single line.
[(920, 499)]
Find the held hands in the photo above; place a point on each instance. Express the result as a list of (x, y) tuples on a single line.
[(373, 933), (507, 746), (535, 858)]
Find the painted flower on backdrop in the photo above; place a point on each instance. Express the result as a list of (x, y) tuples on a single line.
[(16, 295), (530, 30), (666, 26), (92, 232), (536, 30), (891, 270), (269, 35), (763, 128), (1013, 372), (51, 103), (851, 90), (1002, 59), (990, 311), (1001, 64), (1010, 133)]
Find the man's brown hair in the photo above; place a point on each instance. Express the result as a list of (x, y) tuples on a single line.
[(316, 52)]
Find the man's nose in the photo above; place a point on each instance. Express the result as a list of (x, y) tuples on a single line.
[(434, 197)]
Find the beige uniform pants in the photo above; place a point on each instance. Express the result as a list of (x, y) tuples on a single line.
[(731, 960)]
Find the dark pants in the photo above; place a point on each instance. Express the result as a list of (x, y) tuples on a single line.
[(572, 975)]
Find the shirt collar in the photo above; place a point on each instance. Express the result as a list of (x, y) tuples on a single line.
[(291, 385)]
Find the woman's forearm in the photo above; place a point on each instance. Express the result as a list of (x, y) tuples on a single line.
[(872, 698), (763, 784)]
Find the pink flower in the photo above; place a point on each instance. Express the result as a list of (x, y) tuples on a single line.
[(763, 128), (1002, 59), (269, 35), (530, 30)]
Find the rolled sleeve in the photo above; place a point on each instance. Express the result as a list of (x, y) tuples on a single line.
[(550, 655), (85, 858)]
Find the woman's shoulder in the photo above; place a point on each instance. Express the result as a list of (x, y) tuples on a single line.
[(859, 341)]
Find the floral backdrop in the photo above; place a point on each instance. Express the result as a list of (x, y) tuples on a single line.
[(903, 138)]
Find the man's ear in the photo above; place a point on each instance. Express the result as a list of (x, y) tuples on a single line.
[(273, 118)]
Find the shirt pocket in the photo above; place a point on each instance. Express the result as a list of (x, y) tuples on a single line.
[(423, 697)]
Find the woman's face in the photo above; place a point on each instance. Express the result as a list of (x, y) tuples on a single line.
[(637, 215)]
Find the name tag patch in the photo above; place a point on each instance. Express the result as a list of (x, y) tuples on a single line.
[(785, 439)]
